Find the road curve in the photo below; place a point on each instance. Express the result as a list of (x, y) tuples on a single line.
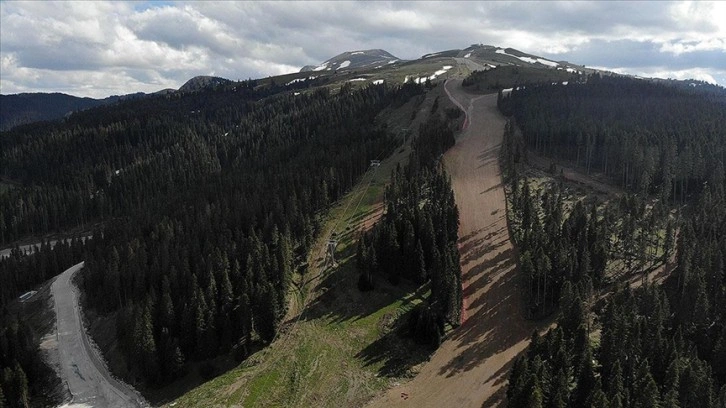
[(81, 367)]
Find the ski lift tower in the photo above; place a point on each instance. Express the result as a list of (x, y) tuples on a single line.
[(330, 251), (375, 163)]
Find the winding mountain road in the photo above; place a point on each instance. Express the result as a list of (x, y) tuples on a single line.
[(81, 367), (470, 368)]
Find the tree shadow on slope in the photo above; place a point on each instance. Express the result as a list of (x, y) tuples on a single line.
[(395, 352), (496, 327), (340, 300), (338, 297)]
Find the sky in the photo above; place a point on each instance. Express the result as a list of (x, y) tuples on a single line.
[(104, 48)]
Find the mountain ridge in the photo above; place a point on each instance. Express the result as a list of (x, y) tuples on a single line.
[(351, 60), (200, 82), (23, 108), (19, 109)]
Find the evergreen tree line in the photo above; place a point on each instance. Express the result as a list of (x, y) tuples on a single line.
[(644, 358), (19, 358), (555, 248), (215, 203), (416, 238), (648, 137), (21, 272), (209, 274), (652, 346), (25, 378), (576, 247), (658, 346), (126, 159)]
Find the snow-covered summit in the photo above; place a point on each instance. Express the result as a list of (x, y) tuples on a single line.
[(352, 60)]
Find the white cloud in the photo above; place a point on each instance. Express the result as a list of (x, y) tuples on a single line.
[(94, 48), (699, 74), (681, 47)]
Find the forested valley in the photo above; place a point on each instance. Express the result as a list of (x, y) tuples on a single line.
[(658, 343), (203, 205)]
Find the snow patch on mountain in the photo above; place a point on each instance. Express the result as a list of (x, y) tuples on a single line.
[(321, 67), (437, 73), (353, 60), (529, 60)]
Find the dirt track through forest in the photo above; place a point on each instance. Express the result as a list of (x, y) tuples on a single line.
[(471, 367)]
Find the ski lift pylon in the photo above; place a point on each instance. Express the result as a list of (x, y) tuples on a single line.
[(330, 250)]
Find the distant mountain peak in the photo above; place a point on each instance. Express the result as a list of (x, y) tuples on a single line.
[(352, 60), (493, 56), (203, 82)]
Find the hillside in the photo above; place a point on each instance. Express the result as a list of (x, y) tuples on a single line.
[(203, 82), (329, 238), (355, 60), (157, 163), (25, 108), (635, 270)]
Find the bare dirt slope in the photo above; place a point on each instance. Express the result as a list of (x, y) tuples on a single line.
[(81, 368), (470, 64), (470, 368)]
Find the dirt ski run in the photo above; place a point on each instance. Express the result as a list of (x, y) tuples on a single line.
[(470, 368)]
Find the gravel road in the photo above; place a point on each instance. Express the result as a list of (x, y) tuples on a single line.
[(81, 367)]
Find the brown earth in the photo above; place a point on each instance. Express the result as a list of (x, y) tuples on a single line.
[(470, 369)]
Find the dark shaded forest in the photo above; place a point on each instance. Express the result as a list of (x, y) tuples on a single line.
[(21, 272), (650, 138), (417, 236), (210, 203), (26, 379), (127, 158), (654, 346)]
